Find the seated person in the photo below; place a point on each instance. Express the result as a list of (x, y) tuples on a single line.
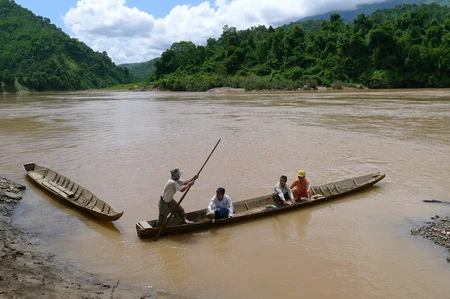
[(282, 194), (221, 205), (301, 186)]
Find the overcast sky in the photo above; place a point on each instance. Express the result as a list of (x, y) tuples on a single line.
[(140, 30)]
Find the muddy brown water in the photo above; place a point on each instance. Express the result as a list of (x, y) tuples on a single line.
[(121, 146)]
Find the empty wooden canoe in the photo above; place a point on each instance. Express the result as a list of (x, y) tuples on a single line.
[(71, 192)]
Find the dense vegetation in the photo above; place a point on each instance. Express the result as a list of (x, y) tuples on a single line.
[(36, 54), (406, 46)]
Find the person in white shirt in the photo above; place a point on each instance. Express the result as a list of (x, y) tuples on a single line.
[(221, 204), (282, 193), (166, 202)]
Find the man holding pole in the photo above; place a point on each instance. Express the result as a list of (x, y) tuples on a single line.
[(167, 204), (175, 176)]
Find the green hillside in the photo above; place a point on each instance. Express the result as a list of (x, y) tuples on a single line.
[(406, 46), (37, 55), (141, 71)]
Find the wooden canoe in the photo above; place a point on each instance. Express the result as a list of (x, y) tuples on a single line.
[(71, 192), (257, 207)]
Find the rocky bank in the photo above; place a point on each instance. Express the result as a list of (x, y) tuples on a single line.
[(437, 230)]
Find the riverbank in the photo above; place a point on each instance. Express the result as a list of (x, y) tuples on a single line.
[(242, 90), (29, 270)]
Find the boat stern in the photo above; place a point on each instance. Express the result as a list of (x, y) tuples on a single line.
[(142, 227)]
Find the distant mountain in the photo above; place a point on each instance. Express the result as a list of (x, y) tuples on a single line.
[(141, 71), (366, 9), (36, 55), (313, 23)]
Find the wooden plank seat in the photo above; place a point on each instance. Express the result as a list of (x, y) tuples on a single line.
[(69, 193), (59, 189), (145, 224), (34, 175)]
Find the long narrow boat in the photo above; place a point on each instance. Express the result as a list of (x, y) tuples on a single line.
[(259, 206), (71, 192)]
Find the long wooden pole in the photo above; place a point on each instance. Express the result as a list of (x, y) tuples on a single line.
[(182, 197), (434, 200)]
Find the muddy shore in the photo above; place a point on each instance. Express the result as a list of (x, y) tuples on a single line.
[(29, 270)]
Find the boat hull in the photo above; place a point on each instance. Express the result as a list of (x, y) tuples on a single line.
[(259, 207), (71, 192)]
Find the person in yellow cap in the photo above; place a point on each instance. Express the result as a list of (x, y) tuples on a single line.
[(301, 186)]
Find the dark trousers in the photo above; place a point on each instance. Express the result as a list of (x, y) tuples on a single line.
[(165, 208), (276, 198), (221, 213)]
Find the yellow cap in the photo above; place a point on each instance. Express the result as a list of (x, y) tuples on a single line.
[(301, 173)]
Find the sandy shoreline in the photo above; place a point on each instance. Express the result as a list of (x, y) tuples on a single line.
[(29, 270)]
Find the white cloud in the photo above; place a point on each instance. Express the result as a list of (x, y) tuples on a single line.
[(107, 18), (130, 35), (186, 23)]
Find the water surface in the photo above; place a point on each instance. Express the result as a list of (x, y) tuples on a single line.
[(121, 146)]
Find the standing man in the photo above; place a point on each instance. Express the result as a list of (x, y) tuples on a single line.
[(167, 204), (221, 205), (301, 187), (282, 194)]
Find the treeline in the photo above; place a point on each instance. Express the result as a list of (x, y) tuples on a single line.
[(404, 47), (36, 54)]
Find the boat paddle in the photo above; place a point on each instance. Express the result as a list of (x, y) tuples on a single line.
[(182, 197)]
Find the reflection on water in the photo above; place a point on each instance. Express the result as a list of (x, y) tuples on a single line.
[(121, 145)]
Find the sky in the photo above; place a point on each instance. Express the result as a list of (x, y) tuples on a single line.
[(132, 31)]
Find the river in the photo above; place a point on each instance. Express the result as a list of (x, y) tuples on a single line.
[(121, 146)]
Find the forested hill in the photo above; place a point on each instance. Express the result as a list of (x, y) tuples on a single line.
[(142, 70), (37, 55), (406, 46)]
